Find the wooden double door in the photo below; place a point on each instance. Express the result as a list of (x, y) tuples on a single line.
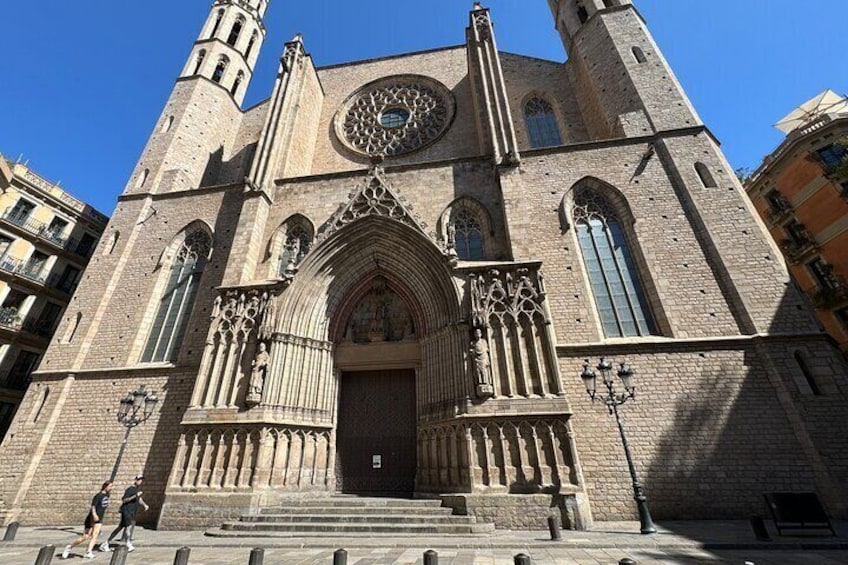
[(376, 433)]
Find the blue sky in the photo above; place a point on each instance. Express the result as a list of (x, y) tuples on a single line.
[(83, 82)]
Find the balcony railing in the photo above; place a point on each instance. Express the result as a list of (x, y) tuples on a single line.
[(777, 215), (796, 249), (832, 295), (9, 318), (43, 232), (34, 273)]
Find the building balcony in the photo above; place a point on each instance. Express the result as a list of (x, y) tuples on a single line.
[(32, 273), (778, 215), (43, 232), (796, 249), (9, 318), (831, 296)]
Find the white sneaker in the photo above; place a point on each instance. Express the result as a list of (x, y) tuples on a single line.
[(89, 555), (130, 547), (104, 547), (67, 552)]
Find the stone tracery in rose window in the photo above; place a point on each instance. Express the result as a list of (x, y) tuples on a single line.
[(396, 115)]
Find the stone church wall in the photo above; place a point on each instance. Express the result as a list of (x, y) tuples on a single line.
[(449, 66)]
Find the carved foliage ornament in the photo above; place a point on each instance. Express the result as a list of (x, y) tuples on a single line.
[(243, 312), (395, 115)]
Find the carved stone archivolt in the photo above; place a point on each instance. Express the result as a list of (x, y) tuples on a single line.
[(395, 115), (381, 316)]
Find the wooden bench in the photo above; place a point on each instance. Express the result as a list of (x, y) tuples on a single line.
[(798, 511)]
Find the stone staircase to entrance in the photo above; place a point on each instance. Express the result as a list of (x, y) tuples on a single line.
[(353, 515)]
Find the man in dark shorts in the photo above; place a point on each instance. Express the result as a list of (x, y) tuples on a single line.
[(93, 522), (129, 508)]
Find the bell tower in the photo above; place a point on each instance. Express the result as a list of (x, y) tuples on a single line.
[(229, 45), (628, 88), (197, 129)]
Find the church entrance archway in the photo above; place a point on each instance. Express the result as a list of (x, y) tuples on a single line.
[(376, 431)]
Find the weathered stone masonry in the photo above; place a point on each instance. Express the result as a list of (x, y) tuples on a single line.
[(337, 245)]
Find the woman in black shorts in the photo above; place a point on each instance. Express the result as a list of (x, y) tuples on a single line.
[(93, 522)]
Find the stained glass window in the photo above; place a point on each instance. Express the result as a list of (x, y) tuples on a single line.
[(468, 235), (621, 303), (541, 123), (177, 300)]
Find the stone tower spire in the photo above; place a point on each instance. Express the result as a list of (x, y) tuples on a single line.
[(631, 90), (228, 46)]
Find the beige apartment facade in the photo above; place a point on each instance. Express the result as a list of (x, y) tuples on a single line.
[(46, 240), (386, 278)]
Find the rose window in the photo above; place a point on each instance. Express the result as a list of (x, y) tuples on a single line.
[(395, 115)]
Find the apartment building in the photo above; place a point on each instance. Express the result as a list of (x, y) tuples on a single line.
[(46, 239), (801, 192)]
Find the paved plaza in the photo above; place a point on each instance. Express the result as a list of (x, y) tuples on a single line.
[(677, 542)]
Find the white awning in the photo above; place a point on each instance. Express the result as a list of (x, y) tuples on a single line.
[(828, 102)]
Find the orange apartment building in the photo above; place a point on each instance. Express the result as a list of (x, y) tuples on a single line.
[(801, 192)]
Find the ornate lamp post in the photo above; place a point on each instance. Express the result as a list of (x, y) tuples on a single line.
[(135, 408), (613, 400)]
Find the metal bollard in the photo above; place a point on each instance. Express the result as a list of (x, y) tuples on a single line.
[(553, 526), (626, 561), (257, 556), (119, 556), (340, 557), (431, 557), (11, 531), (183, 553), (522, 559), (45, 556)]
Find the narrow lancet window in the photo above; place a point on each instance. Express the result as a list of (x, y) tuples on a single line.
[(177, 300), (220, 69), (218, 18), (200, 57), (707, 178), (235, 32), (541, 123), (237, 83), (621, 303), (639, 55), (250, 45)]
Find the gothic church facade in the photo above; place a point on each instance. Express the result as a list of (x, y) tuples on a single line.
[(386, 278)]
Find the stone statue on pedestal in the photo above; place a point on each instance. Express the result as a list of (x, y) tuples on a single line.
[(482, 362), (257, 376)]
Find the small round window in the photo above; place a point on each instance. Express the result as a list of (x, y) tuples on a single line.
[(394, 118)]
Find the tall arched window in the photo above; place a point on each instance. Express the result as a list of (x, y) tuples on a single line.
[(220, 69), (296, 246), (541, 123), (177, 300), (218, 18), (250, 45), (200, 56), (237, 83), (236, 31), (621, 303), (468, 235)]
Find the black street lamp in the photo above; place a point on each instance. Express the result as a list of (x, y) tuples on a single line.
[(135, 408), (613, 400)]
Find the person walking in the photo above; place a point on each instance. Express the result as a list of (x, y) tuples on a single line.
[(129, 508), (93, 522)]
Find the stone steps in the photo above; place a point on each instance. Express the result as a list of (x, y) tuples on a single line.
[(355, 518), (352, 515)]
